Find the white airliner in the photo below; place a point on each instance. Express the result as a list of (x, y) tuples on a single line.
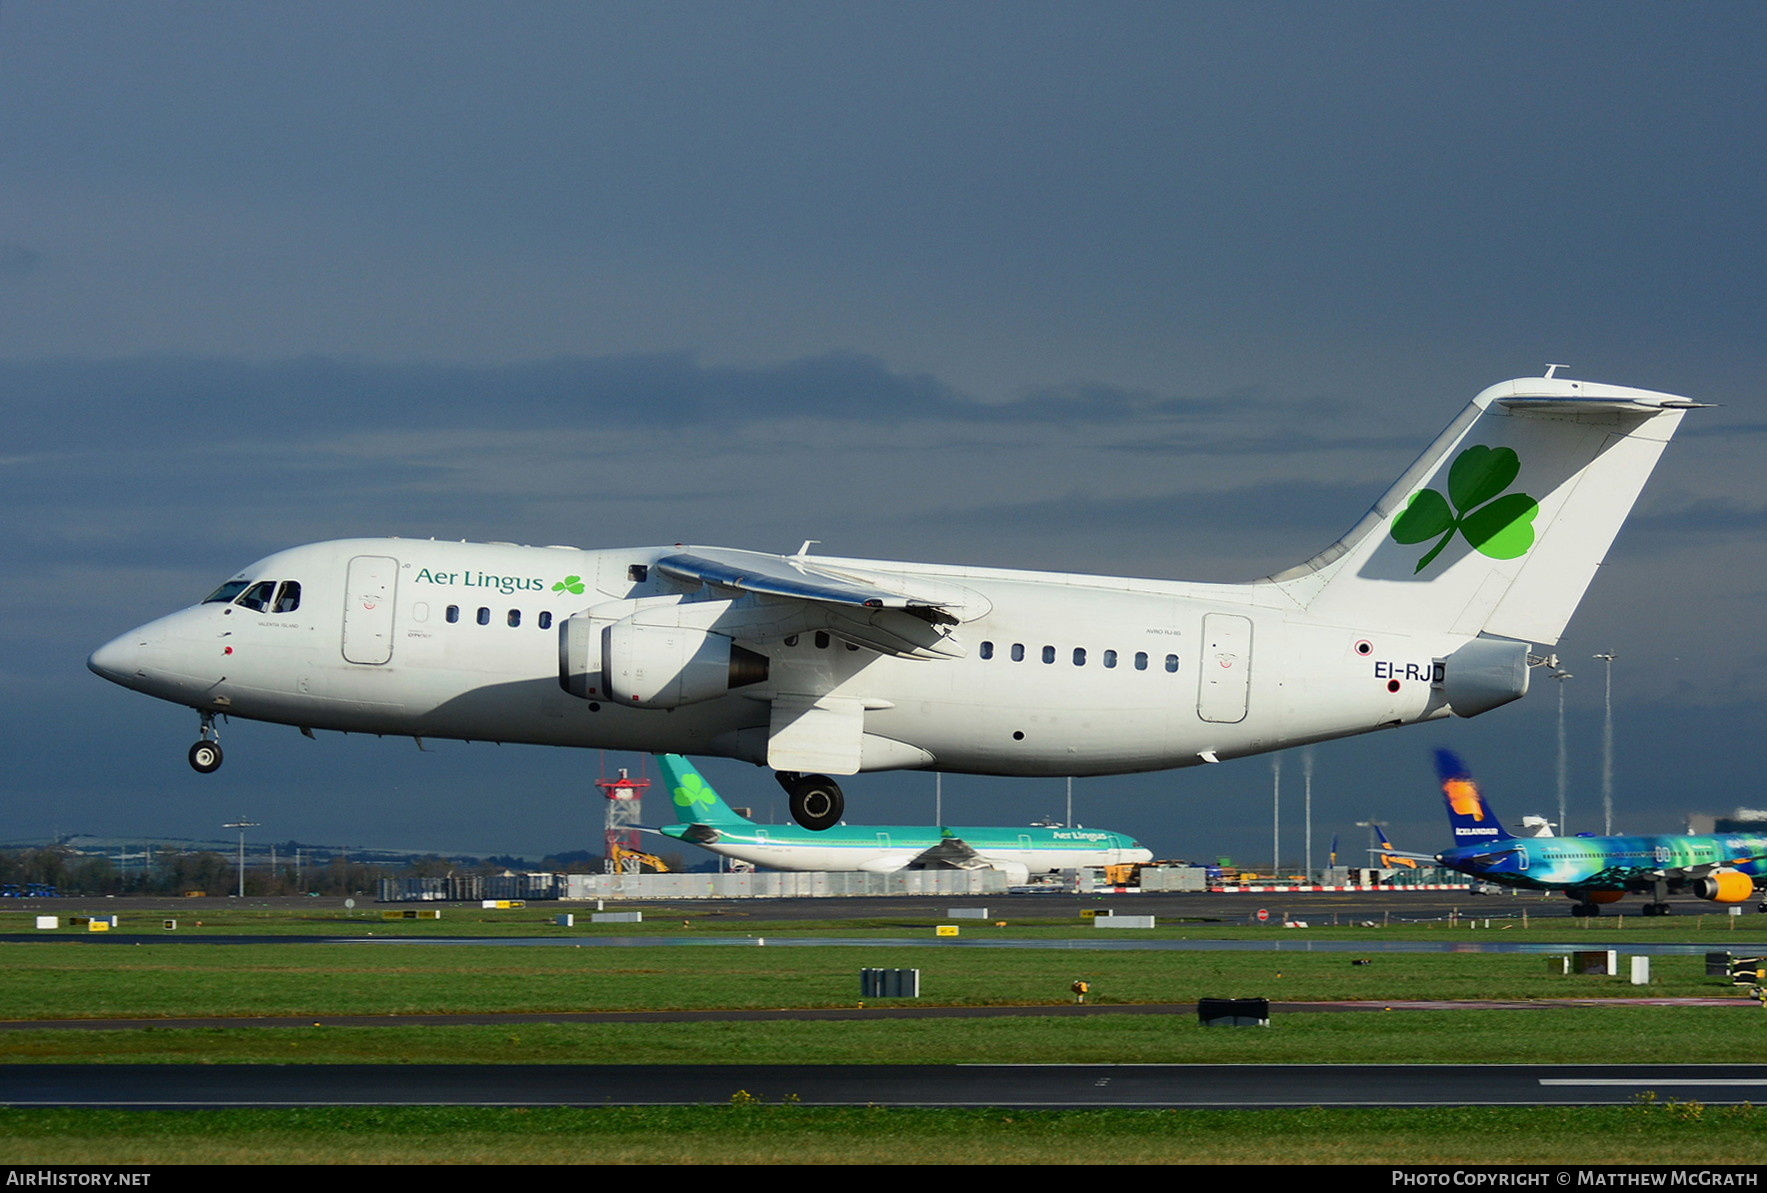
[(814, 665)]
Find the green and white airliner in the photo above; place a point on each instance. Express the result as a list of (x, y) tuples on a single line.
[(1434, 604), (707, 821)]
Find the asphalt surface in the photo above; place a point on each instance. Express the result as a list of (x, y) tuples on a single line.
[(1020, 1086)]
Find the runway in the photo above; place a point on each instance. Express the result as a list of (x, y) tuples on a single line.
[(148, 1087)]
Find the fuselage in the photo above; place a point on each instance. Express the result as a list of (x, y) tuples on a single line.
[(885, 848), (1057, 674), (1608, 863)]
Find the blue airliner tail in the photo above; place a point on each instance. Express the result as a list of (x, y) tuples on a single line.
[(695, 801), (1469, 813)]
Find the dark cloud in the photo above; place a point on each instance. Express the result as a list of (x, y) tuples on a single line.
[(63, 404)]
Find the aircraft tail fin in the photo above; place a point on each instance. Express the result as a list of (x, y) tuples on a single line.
[(1389, 857), (1500, 525), (1469, 813), (695, 801)]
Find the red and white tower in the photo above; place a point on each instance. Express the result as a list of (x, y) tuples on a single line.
[(625, 811)]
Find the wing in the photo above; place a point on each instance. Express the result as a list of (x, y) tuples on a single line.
[(784, 576), (856, 609)]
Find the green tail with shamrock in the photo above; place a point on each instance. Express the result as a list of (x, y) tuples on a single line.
[(1500, 525), (694, 800)]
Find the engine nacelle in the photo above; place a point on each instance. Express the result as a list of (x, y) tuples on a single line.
[(1725, 886), (1484, 674), (579, 655), (665, 666)]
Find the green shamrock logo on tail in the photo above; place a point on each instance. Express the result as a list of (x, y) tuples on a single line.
[(694, 793), (1500, 527)]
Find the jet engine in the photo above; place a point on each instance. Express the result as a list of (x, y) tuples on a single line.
[(652, 666), (645, 657), (1484, 674), (1725, 886)]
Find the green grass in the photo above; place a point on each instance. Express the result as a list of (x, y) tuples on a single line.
[(56, 978), (769, 1133), (52, 980), (1587, 1035)]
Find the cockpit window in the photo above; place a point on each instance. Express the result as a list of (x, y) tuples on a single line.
[(258, 596), (289, 598), (225, 594)]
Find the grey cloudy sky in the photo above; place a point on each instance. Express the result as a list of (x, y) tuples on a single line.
[(1171, 289)]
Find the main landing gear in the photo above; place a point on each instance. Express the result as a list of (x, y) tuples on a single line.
[(205, 755), (816, 800)]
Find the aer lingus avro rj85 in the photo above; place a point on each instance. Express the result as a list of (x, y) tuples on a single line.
[(817, 666)]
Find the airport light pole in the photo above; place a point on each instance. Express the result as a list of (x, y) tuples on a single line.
[(241, 825), (1371, 824), (1275, 814), (1307, 804), (1563, 760), (1607, 747)]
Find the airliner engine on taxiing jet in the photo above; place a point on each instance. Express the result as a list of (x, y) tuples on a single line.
[(709, 822), (809, 663), (1592, 870)]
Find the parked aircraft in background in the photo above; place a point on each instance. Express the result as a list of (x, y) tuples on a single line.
[(709, 822), (1593, 870), (816, 666)]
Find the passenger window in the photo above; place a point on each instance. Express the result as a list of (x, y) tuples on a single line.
[(289, 598), (791, 639), (453, 614), (258, 596), (987, 650), (224, 595), (1079, 656), (1141, 660), (1171, 662), (1110, 658), (484, 616), (546, 620), (821, 640), (515, 618), (1049, 654), (1018, 652)]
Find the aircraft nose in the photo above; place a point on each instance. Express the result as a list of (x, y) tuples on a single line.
[(118, 660)]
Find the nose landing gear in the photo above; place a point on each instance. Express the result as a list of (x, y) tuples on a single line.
[(816, 800), (205, 755)]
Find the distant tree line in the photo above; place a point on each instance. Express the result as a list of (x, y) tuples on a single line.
[(181, 872)]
